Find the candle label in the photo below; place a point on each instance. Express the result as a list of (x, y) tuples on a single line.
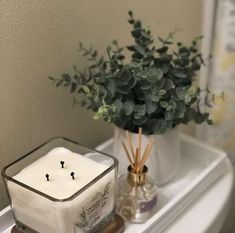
[(92, 213)]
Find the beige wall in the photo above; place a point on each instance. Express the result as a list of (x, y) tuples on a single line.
[(40, 37)]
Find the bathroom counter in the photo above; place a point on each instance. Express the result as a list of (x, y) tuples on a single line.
[(206, 214)]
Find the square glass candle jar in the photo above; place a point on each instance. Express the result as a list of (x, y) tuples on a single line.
[(61, 187)]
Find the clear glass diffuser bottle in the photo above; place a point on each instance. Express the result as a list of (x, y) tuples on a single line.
[(137, 196)]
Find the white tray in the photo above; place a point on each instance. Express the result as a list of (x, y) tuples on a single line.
[(201, 166)]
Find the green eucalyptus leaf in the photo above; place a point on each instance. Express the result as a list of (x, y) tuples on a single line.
[(118, 105), (160, 84), (141, 75), (73, 87), (139, 111), (139, 94), (169, 115), (192, 91), (124, 76), (52, 78), (164, 104), (86, 89), (187, 98), (136, 33), (179, 112), (165, 68), (126, 81), (201, 117), (168, 84), (66, 78), (145, 85), (128, 107), (179, 74), (172, 103), (162, 49), (109, 76), (140, 121), (137, 24), (111, 87), (166, 58), (131, 47), (184, 50), (162, 92), (58, 83), (180, 92), (140, 50), (153, 96), (151, 107), (154, 74)]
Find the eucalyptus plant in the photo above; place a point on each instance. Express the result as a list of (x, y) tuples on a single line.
[(154, 90)]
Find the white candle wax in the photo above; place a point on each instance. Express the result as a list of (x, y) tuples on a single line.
[(44, 215)]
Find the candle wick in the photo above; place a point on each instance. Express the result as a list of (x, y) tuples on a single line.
[(62, 164), (72, 174), (47, 176)]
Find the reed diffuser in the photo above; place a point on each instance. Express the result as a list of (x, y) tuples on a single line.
[(137, 190)]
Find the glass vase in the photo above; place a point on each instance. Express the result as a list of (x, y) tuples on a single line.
[(137, 196)]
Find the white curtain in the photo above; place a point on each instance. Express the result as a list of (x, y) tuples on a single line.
[(221, 77)]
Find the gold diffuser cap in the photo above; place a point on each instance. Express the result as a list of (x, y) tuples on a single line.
[(137, 178)]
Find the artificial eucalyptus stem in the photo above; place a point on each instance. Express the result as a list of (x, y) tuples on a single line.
[(154, 90)]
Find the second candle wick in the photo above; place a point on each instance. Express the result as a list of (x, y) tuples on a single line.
[(72, 174), (62, 164)]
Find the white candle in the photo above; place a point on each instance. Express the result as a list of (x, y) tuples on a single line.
[(46, 216)]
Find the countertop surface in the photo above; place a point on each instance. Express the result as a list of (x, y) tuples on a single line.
[(205, 215)]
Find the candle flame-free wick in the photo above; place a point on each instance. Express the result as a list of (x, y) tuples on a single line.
[(62, 164), (47, 176), (72, 174)]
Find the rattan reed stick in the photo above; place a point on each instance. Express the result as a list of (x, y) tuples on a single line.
[(130, 144), (146, 155), (127, 153), (139, 145), (137, 160)]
